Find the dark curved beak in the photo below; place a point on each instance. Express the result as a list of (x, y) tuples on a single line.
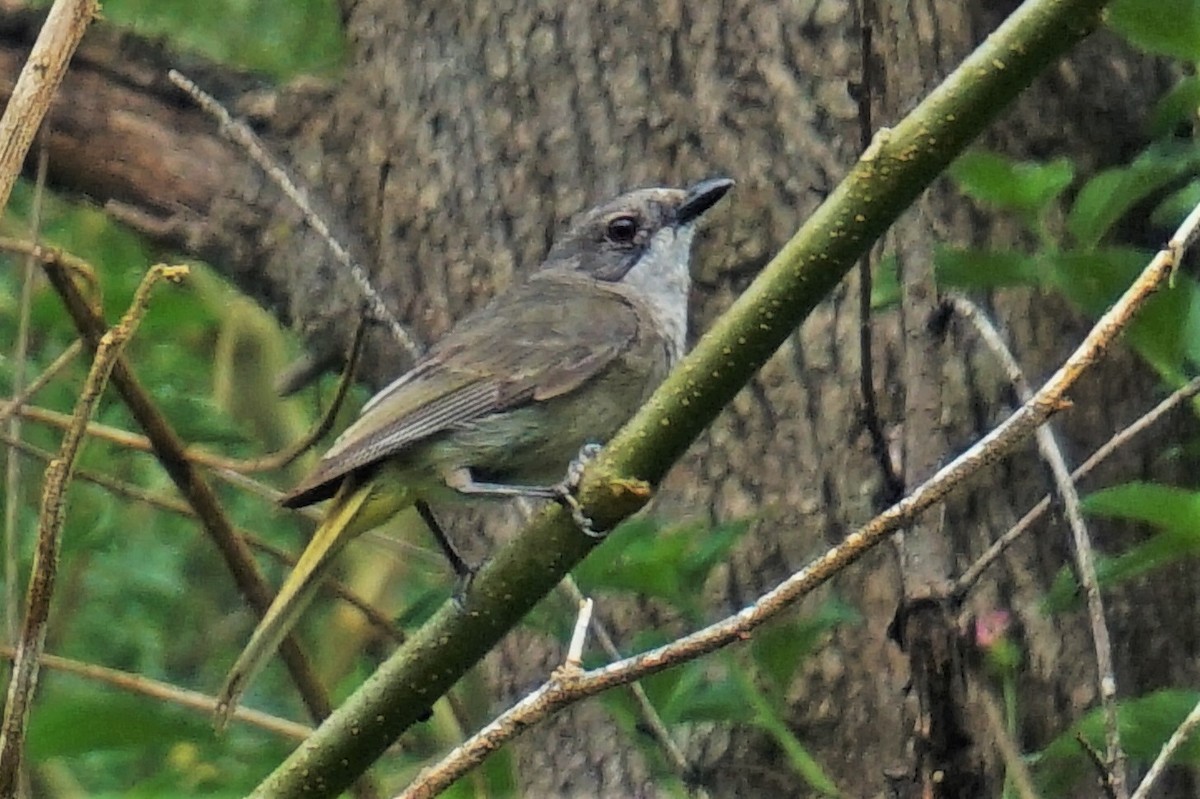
[(700, 198)]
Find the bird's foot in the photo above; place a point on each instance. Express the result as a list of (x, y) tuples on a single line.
[(566, 489)]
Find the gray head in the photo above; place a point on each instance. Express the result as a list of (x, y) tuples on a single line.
[(642, 240), (608, 241)]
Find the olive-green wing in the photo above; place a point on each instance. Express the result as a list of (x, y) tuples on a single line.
[(538, 341)]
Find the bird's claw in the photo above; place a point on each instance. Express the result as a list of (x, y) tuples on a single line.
[(565, 490)]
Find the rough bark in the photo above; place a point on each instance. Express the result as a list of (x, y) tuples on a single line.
[(461, 135)]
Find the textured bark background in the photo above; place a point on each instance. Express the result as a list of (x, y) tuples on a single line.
[(462, 135)]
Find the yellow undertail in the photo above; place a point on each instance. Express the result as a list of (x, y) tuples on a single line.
[(353, 511)]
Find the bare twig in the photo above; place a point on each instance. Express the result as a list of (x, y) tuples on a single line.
[(1120, 439), (574, 659), (1084, 553), (280, 459), (1018, 771), (12, 470), (37, 83), (19, 399), (1094, 757), (45, 253), (155, 689), (1177, 739), (50, 520), (241, 135)]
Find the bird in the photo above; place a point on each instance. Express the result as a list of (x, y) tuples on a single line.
[(500, 405)]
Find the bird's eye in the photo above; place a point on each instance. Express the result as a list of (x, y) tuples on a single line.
[(622, 230)]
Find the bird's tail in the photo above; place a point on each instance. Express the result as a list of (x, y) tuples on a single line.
[(344, 521)]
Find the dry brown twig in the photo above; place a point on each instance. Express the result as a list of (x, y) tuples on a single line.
[(240, 134), (18, 400), (1120, 439), (1085, 558), (155, 689), (50, 521), (1048, 400), (35, 87), (12, 466)]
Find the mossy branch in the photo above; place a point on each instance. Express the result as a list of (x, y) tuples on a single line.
[(898, 166)]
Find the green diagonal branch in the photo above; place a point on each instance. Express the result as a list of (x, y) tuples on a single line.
[(897, 167)]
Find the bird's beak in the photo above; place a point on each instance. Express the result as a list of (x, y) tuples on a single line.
[(700, 198)]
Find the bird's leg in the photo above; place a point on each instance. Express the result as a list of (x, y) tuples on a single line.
[(563, 491), (464, 571), (462, 482)]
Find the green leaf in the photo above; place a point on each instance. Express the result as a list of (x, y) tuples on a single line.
[(1179, 106), (1022, 186), (779, 648), (1153, 503), (885, 283), (986, 269), (641, 550), (1108, 196), (1175, 511), (693, 693), (113, 722), (1178, 204), (1144, 724), (1163, 27)]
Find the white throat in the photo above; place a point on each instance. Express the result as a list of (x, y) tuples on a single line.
[(662, 279)]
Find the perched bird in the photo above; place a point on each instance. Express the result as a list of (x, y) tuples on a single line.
[(506, 399)]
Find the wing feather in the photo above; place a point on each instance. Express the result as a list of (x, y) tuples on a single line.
[(526, 346)]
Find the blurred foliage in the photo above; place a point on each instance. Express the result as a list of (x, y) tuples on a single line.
[(279, 38)]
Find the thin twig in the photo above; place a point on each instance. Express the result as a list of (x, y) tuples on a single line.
[(35, 87), (278, 460), (651, 718), (574, 658), (45, 253), (1120, 439), (1018, 770), (50, 521), (240, 134), (19, 399), (155, 689), (1085, 559), (1177, 739), (893, 483), (1104, 776), (12, 470)]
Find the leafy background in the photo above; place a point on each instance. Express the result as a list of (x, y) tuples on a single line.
[(141, 589)]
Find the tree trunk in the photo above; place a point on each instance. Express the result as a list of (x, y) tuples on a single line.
[(459, 139)]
